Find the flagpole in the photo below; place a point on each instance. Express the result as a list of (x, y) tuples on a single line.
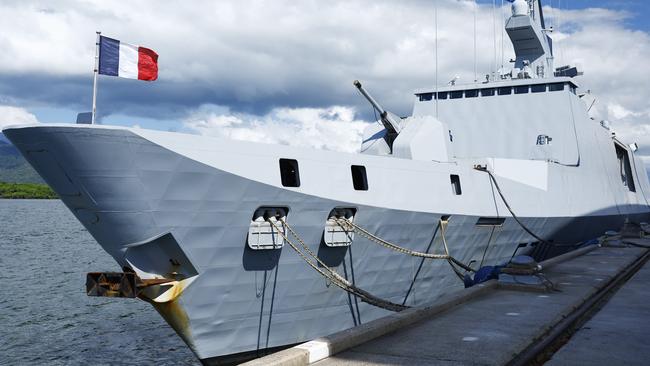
[(95, 77)]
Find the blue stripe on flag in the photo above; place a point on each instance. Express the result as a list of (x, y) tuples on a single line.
[(109, 56)]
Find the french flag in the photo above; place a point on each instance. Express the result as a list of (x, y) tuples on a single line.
[(127, 61)]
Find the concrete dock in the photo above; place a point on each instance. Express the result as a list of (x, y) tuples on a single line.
[(597, 313), (618, 334)]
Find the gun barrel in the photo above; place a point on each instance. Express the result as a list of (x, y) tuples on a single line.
[(372, 100)]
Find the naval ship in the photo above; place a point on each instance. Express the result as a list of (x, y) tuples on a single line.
[(244, 248)]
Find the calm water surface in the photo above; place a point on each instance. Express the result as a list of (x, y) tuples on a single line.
[(46, 317)]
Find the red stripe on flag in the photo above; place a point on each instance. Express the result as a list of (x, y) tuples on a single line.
[(147, 64)]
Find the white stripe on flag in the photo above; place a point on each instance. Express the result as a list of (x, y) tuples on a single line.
[(128, 61)]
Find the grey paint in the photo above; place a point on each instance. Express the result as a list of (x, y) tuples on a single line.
[(143, 193)]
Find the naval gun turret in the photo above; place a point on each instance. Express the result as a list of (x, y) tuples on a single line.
[(416, 138), (391, 122)]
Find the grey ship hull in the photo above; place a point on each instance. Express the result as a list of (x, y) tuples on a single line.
[(127, 189)]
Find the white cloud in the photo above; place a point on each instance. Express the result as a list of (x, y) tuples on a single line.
[(284, 50), (334, 128), (259, 49), (618, 112), (14, 115)]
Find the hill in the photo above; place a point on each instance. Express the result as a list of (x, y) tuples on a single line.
[(13, 167)]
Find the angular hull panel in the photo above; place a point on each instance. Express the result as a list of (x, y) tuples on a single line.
[(130, 189)]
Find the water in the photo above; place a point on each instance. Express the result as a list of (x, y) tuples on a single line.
[(45, 315)]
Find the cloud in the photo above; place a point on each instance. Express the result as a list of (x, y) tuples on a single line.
[(252, 56), (631, 126), (334, 128), (256, 58), (14, 115), (612, 59)]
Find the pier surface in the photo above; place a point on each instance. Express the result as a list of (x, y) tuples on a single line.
[(618, 333), (597, 314)]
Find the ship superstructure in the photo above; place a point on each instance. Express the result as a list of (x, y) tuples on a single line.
[(200, 225)]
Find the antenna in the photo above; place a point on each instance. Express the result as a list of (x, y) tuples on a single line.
[(494, 38), (503, 31), (435, 89), (541, 14), (475, 8)]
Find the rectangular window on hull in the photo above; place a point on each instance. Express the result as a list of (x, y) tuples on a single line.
[(359, 178), (456, 94), (521, 89), (487, 92), (442, 95), (473, 93), (556, 87), (289, 173), (425, 97), (455, 184), (539, 88), (505, 90), (625, 169)]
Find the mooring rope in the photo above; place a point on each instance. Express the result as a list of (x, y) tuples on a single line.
[(349, 225), (515, 217), (330, 274)]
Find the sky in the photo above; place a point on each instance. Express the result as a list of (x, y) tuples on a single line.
[(282, 71)]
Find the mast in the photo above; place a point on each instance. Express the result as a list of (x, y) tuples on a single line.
[(541, 14), (95, 78), (533, 47)]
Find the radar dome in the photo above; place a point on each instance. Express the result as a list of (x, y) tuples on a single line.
[(519, 8)]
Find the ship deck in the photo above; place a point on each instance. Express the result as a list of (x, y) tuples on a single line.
[(596, 314)]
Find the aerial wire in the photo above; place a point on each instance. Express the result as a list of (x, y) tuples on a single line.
[(435, 9), (475, 9), (559, 27), (494, 39), (568, 53), (503, 31)]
